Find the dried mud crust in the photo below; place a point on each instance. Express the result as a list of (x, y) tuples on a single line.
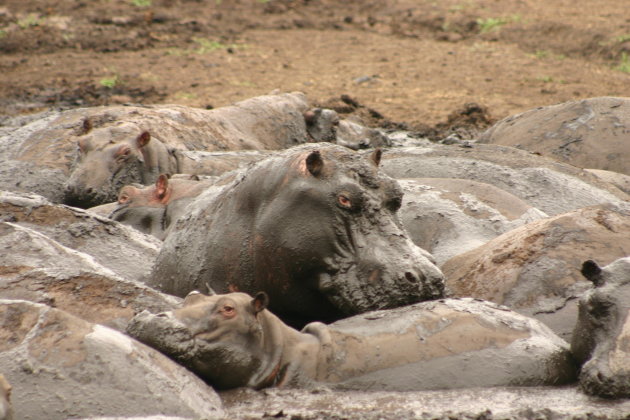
[(412, 62)]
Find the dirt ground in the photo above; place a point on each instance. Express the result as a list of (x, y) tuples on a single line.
[(412, 62)]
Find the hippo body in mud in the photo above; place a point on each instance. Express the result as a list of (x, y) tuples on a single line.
[(601, 340), (232, 340), (152, 210), (315, 227)]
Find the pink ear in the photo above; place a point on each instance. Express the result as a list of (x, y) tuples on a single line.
[(161, 186), (143, 139), (123, 150)]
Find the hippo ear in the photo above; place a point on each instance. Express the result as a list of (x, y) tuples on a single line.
[(592, 272), (86, 127), (260, 302), (143, 139), (315, 163), (161, 186), (193, 297), (375, 157), (309, 117)]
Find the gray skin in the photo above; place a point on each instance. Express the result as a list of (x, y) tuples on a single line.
[(325, 125), (152, 210), (601, 340), (316, 227), (589, 133), (6, 411), (232, 341), (62, 367), (103, 167)]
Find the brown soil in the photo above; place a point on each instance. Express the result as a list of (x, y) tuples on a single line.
[(421, 64)]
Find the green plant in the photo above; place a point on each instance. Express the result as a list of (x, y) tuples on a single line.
[(3, 33), (109, 82), (207, 45), (545, 79), (30, 20), (624, 64), (541, 54), (141, 3), (494, 24), (623, 38)]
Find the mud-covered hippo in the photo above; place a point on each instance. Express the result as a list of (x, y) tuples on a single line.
[(589, 133), (232, 340), (121, 145), (104, 165), (153, 209), (534, 268), (316, 227), (601, 340), (6, 411), (62, 367)]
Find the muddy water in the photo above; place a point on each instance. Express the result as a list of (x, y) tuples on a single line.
[(486, 403)]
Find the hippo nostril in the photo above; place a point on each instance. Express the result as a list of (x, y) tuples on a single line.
[(410, 277)]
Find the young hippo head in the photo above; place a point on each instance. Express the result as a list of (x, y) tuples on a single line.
[(152, 209), (108, 159), (601, 339), (218, 337)]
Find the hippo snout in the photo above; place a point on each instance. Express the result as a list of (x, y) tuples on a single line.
[(597, 379)]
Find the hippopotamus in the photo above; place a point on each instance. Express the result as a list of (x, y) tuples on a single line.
[(6, 411), (315, 226), (533, 268), (601, 340), (551, 186), (449, 216), (588, 133), (63, 367), (102, 149), (232, 340), (152, 209), (103, 164)]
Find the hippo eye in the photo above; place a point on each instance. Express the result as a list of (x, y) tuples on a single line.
[(228, 311), (344, 201)]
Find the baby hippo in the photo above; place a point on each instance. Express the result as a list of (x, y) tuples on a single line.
[(601, 339), (232, 340)]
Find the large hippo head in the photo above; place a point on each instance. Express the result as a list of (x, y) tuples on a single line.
[(601, 339), (315, 227), (110, 158)]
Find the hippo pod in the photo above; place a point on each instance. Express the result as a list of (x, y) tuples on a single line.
[(316, 227), (601, 340), (232, 340)]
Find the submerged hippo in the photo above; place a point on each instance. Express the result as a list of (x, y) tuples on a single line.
[(316, 227), (153, 209), (601, 340), (232, 340)]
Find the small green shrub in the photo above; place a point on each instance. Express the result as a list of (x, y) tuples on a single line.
[(110, 82)]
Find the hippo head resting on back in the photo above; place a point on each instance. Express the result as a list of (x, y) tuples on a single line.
[(601, 339), (109, 158), (231, 340), (315, 227)]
